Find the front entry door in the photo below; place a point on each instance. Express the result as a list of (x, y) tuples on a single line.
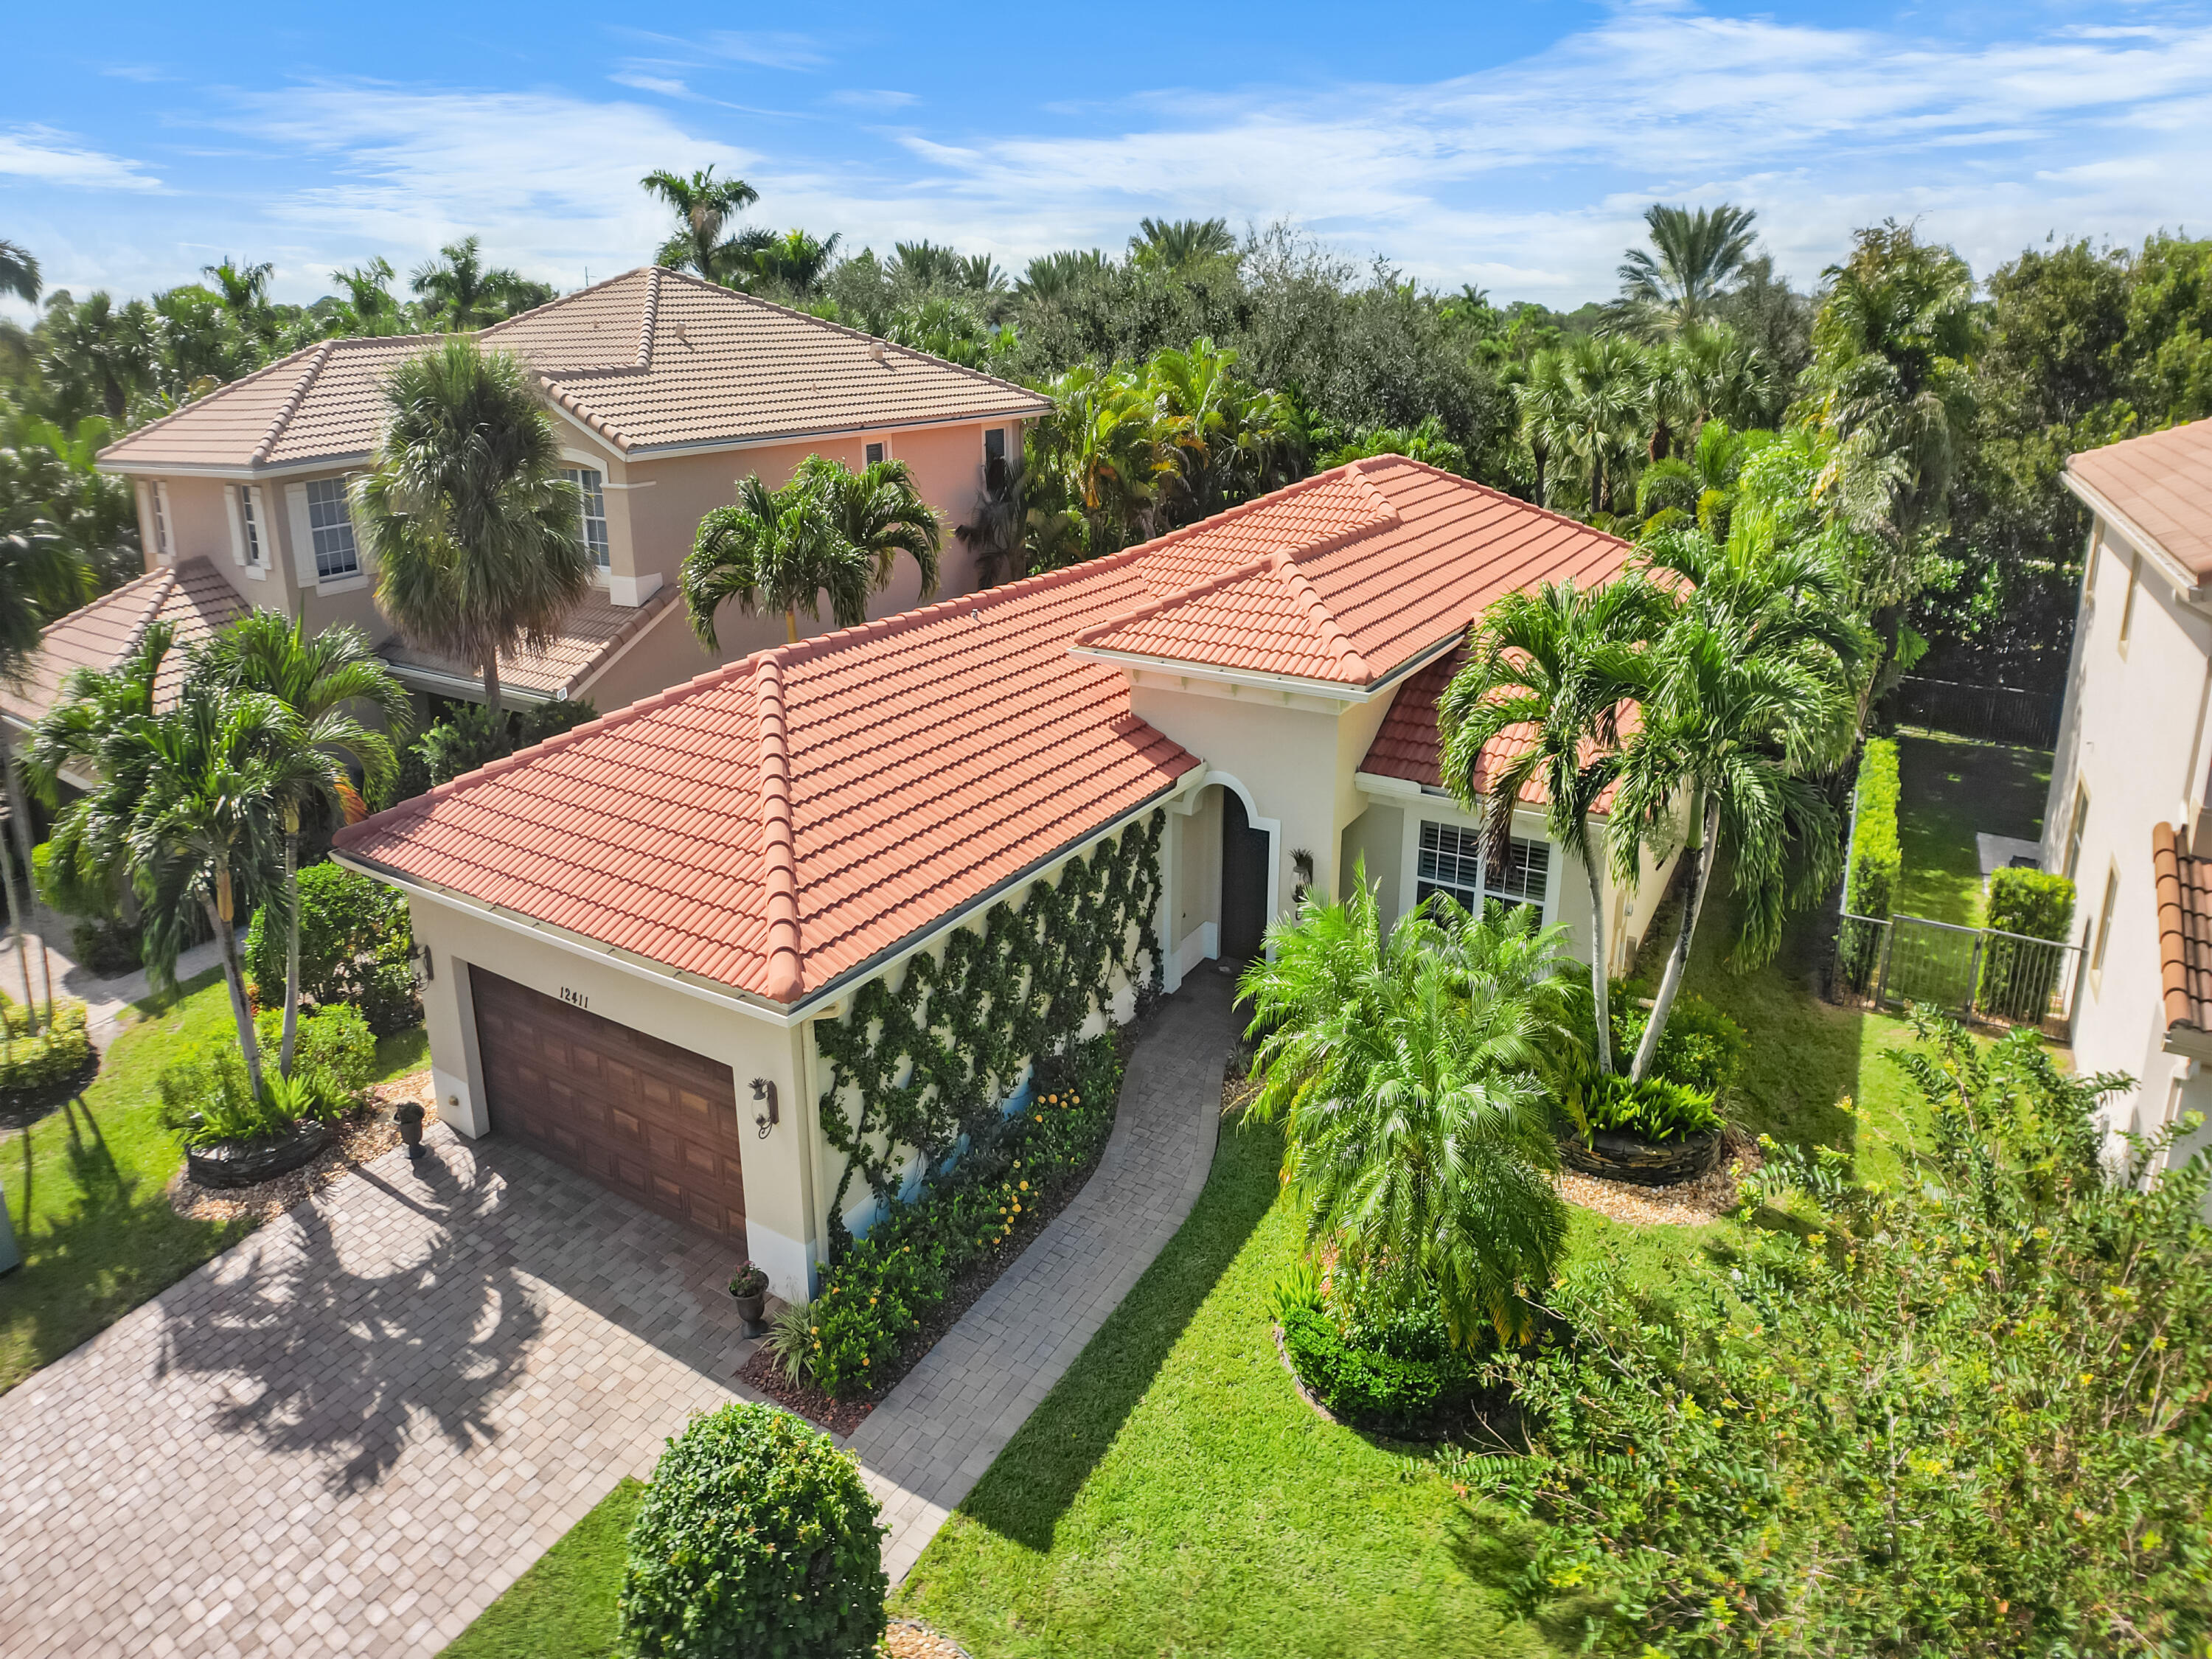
[(1244, 853)]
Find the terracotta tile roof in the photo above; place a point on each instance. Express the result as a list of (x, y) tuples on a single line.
[(1313, 580), (784, 821), (1409, 744), (593, 633), (192, 596), (2185, 930), (650, 359), (2162, 481)]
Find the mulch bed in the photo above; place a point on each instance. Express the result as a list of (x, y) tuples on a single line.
[(365, 1133), (1687, 1203)]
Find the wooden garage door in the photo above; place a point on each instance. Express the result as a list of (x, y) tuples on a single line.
[(657, 1123)]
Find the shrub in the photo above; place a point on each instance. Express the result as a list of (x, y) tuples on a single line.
[(884, 1287), (1367, 1386), (205, 1099), (1701, 1049), (332, 1045), (1877, 859), (2030, 902), (1656, 1110), (356, 941), (106, 950), (756, 1537), (469, 735), (48, 1059), (1967, 1414), (2017, 979)]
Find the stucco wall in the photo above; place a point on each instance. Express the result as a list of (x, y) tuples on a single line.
[(1376, 836), (2133, 732), (1197, 845)]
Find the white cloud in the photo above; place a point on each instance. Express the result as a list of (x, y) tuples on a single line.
[(874, 98), (665, 88), (52, 158)]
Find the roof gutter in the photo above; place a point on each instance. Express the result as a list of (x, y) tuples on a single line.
[(465, 686), (2187, 584)]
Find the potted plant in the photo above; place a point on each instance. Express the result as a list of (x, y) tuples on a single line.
[(749, 1290)]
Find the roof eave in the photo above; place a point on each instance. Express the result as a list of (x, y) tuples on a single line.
[(2187, 584), (244, 469), (1344, 691), (637, 451)]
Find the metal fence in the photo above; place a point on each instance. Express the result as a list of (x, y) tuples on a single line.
[(1979, 974), (1990, 714)]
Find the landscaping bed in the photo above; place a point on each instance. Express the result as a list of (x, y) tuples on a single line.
[(365, 1134)]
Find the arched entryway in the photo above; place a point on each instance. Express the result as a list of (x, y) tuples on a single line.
[(1244, 854)]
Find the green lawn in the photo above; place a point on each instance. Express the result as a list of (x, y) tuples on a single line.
[(1949, 790), (84, 1188), (565, 1605)]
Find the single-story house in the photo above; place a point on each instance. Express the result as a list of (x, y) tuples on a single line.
[(634, 934), (665, 391)]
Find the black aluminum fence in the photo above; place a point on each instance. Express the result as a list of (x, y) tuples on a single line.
[(1979, 974), (1988, 713)]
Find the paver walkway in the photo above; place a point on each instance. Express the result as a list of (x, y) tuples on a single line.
[(351, 1431), (928, 1444)]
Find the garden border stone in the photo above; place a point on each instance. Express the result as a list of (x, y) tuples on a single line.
[(229, 1163), (1613, 1156)]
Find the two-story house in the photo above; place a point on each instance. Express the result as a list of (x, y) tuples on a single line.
[(665, 390), (2130, 817)]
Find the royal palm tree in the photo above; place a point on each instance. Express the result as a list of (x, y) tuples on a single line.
[(477, 537), (322, 680), (779, 551), (1403, 1070), (19, 272), (1692, 259), (1180, 245), (706, 206), (458, 292), (1562, 663), (1746, 698)]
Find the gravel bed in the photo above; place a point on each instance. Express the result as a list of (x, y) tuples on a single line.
[(909, 1639), (365, 1133), (1688, 1204)]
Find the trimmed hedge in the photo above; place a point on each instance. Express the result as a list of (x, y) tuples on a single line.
[(1363, 1382), (1877, 856), (31, 1066), (2030, 902), (756, 1537), (884, 1287), (2017, 979)]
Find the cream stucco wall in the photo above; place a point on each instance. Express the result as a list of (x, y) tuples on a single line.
[(2135, 735)]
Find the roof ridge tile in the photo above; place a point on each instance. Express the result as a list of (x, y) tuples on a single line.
[(1333, 636), (787, 977), (290, 406)]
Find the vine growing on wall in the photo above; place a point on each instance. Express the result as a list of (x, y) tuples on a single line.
[(931, 1059)]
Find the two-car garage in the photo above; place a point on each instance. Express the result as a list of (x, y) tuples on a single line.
[(654, 1122)]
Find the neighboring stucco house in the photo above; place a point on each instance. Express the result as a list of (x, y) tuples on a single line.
[(2130, 815), (666, 391), (666, 903)]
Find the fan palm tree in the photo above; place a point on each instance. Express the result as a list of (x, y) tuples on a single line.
[(1561, 664), (460, 293), (706, 206), (477, 535), (1599, 384), (779, 551), (96, 354), (19, 272), (1747, 694), (1403, 1069), (1692, 259), (322, 680)]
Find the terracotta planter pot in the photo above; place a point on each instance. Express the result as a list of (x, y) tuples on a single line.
[(1612, 1156), (243, 1163)]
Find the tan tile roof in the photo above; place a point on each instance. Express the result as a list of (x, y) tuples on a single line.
[(2162, 482), (1312, 581), (2185, 930), (192, 596), (594, 630), (784, 821), (650, 360)]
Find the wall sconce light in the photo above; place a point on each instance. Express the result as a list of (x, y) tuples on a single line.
[(420, 962), (1302, 866), (764, 1089)]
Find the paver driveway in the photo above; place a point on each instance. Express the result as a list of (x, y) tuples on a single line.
[(351, 1431)]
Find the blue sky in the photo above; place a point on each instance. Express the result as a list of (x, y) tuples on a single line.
[(1513, 146)]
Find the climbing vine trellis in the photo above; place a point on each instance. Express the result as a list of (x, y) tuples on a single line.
[(931, 1059)]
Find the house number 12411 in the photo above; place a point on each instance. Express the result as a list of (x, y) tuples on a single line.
[(575, 998)]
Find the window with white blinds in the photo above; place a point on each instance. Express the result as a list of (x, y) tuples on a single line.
[(1451, 861), (330, 524), (591, 483)]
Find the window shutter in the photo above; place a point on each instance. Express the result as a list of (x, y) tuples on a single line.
[(237, 526), (303, 534)]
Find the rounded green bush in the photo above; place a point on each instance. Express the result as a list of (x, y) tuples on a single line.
[(755, 1538)]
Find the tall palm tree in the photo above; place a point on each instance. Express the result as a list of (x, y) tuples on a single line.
[(706, 206), (96, 353), (778, 550), (460, 292), (1562, 663), (321, 680), (19, 271), (1600, 382), (477, 536), (1692, 258), (206, 832), (1746, 696), (1403, 1070), (40, 579)]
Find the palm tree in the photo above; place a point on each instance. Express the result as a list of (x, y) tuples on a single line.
[(1403, 1070), (1179, 244), (320, 680), (19, 272), (1561, 665), (1585, 401), (368, 292), (780, 550), (95, 353), (1747, 694), (40, 579), (477, 536), (705, 205), (1693, 257), (459, 294), (205, 833), (1050, 276), (794, 261), (244, 291), (879, 511)]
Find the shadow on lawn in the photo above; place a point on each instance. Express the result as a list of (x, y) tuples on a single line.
[(1036, 1477)]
